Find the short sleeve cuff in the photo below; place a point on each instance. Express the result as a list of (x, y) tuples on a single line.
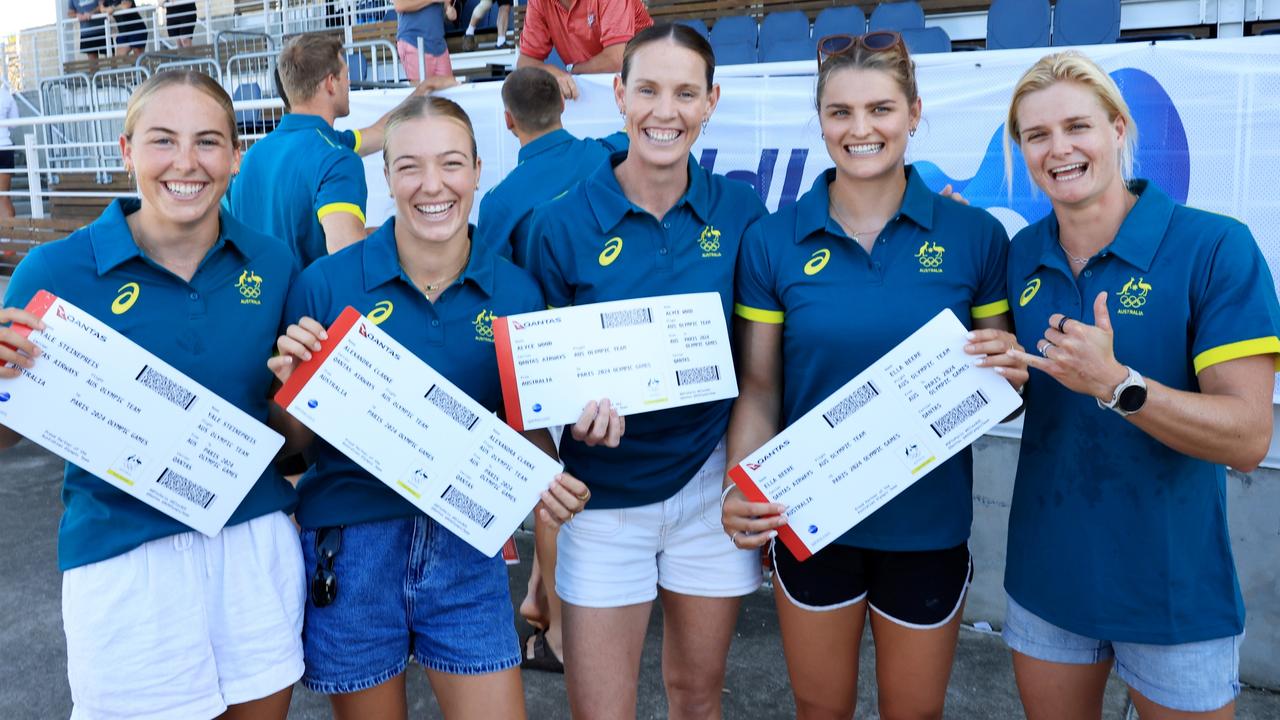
[(770, 317), (1236, 350), (993, 309), (359, 141), (338, 207)]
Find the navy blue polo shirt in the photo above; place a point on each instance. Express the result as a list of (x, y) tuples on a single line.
[(1112, 534), (594, 245), (219, 329), (301, 172), (454, 336), (842, 309), (548, 167)]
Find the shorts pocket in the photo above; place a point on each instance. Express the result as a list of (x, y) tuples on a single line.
[(597, 524)]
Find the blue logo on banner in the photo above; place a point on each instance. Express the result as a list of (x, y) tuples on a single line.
[(813, 529), (1162, 155), (312, 404), (537, 407), (4, 397)]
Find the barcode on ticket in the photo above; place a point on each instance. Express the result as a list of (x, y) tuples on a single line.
[(472, 509), (166, 388), (454, 409), (625, 318), (693, 376), (959, 413), (861, 395), (186, 489)]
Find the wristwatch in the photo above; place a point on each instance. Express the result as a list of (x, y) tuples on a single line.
[(1129, 396)]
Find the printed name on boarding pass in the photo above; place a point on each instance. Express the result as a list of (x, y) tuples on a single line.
[(894, 423), (102, 402), (418, 433), (643, 355)]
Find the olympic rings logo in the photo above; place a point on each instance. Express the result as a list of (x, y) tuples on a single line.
[(709, 240)]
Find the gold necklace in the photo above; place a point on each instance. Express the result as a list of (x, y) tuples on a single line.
[(431, 287)]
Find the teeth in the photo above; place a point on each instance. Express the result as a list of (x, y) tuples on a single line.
[(865, 149), (184, 188), (1068, 172), (662, 135), (434, 208)]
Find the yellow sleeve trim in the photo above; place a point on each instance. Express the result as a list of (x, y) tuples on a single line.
[(1236, 350), (998, 307), (359, 140), (772, 317), (332, 208)]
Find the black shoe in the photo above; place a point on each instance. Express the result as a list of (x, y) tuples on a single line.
[(468, 43)]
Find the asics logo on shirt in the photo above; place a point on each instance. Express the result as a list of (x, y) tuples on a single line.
[(381, 311), (612, 250), (817, 261), (1028, 292), (127, 297)]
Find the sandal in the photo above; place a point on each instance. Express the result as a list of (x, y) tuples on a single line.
[(542, 658)]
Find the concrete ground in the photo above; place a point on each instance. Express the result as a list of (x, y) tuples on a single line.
[(33, 664)]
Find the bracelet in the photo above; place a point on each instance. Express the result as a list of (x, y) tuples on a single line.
[(725, 495)]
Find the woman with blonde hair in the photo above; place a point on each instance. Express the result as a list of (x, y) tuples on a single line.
[(1155, 334), (162, 621)]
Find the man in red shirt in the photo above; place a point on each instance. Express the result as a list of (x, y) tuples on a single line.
[(589, 36)]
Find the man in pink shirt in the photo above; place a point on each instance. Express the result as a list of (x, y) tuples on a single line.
[(589, 36)]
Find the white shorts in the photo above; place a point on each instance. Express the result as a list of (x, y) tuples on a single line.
[(183, 626), (617, 557)]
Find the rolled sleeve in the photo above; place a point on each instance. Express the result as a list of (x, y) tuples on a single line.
[(535, 38)]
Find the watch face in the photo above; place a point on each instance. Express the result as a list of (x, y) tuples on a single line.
[(1132, 398)]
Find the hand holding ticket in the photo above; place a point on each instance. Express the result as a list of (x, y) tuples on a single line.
[(104, 403), (644, 354), (914, 408)]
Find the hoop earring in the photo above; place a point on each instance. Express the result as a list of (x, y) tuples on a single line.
[(911, 132)]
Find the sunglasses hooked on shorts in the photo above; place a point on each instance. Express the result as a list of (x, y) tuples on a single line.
[(324, 582), (872, 42)]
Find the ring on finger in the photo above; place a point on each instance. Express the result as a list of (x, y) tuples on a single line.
[(1062, 324), (1043, 347), (734, 537)]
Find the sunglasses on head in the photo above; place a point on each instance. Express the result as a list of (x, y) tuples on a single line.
[(324, 582), (876, 41)]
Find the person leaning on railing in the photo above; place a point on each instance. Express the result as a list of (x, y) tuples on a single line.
[(93, 27)]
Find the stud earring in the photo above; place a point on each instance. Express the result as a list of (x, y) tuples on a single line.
[(911, 132)]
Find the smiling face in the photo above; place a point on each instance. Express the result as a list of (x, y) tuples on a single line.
[(1071, 149), (665, 100), (432, 173), (866, 120), (182, 154)]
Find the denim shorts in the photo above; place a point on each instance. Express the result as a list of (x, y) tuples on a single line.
[(1191, 677), (407, 587)]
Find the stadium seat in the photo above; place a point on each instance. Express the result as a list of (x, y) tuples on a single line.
[(1017, 24), (785, 36), (839, 21), (926, 40), (897, 16), (248, 119), (734, 40), (697, 25), (357, 67), (1086, 22)]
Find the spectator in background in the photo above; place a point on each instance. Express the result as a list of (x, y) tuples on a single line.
[(482, 9), (8, 111), (131, 29), (589, 36), (551, 161), (423, 20), (93, 30), (180, 19), (302, 183)]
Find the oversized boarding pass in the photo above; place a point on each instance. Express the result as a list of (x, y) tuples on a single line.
[(102, 402), (899, 419), (643, 354), (415, 431)]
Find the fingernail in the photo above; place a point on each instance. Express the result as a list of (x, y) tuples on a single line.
[(773, 534), (306, 355), (324, 335), (315, 347), (970, 336), (999, 370)]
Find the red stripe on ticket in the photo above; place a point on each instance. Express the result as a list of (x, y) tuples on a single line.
[(304, 372), (786, 533), (507, 373), (38, 306)]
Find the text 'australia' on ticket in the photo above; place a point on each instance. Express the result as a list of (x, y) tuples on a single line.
[(914, 408), (415, 431), (104, 403), (644, 354)]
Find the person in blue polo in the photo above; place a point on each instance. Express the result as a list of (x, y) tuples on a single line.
[(302, 182), (406, 586), (160, 620), (826, 287), (551, 161), (1155, 329), (649, 222)]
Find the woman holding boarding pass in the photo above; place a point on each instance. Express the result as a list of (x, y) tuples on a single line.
[(390, 583), (824, 288), (162, 621)]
